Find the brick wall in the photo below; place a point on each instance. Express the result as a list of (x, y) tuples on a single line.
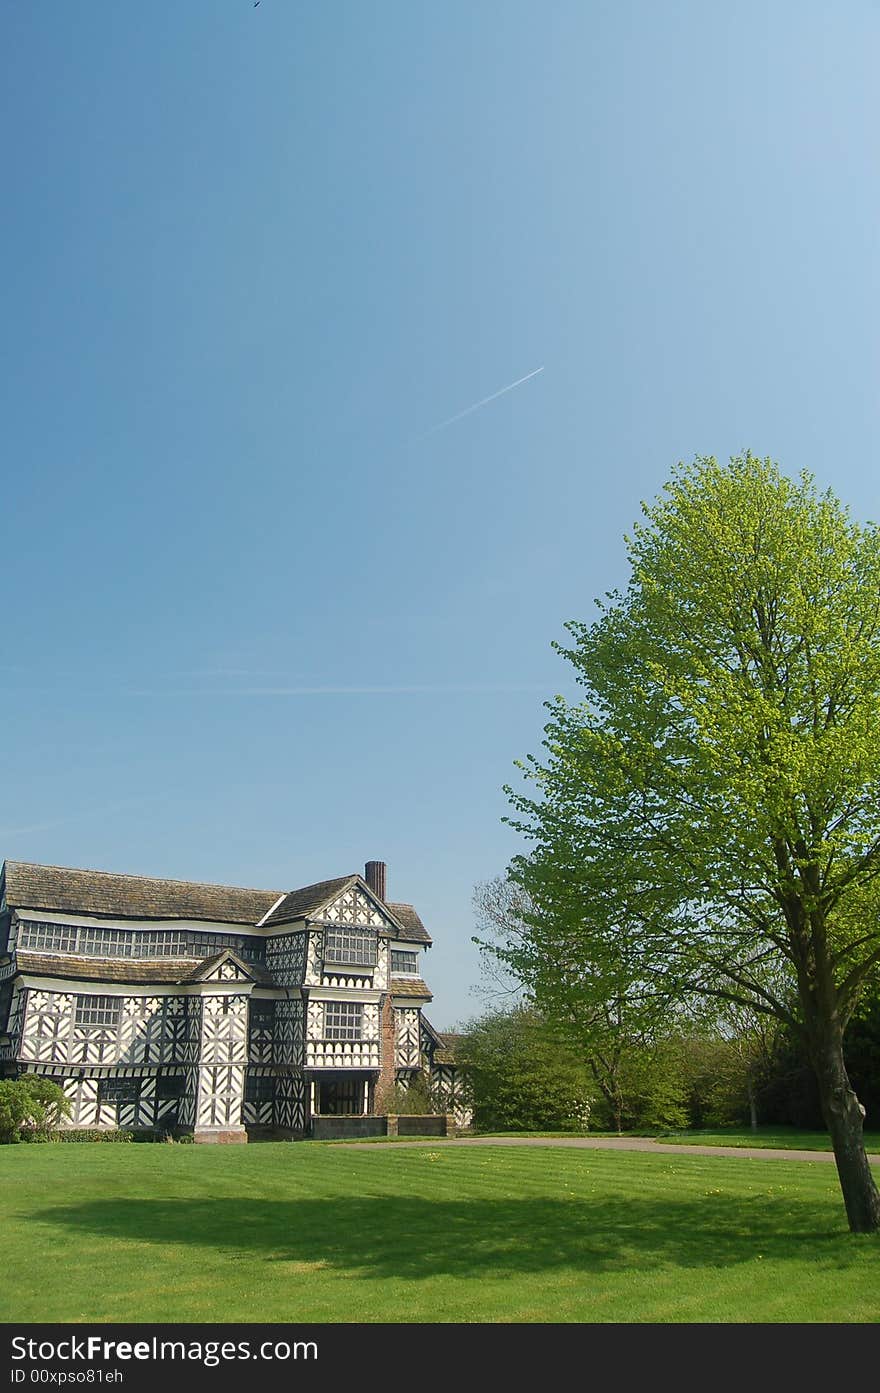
[(386, 1079)]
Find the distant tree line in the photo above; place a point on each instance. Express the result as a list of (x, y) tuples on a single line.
[(525, 1075)]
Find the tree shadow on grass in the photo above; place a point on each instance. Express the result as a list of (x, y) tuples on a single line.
[(414, 1237)]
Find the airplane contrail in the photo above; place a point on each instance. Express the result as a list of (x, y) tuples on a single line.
[(485, 402), (431, 689)]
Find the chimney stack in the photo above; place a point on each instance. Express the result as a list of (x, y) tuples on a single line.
[(375, 874)]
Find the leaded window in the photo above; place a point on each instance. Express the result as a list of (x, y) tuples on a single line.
[(112, 942), (261, 1014), (97, 1010), (354, 947), (404, 962), (343, 1020), (259, 1088), (52, 938), (170, 1086), (119, 1090)]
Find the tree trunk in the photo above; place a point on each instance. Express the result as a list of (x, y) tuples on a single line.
[(844, 1118), (753, 1111)]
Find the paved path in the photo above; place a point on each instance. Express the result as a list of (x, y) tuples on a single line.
[(758, 1153)]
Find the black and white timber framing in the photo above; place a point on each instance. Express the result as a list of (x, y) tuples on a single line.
[(170, 1006)]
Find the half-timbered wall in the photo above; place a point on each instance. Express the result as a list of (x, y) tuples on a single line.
[(291, 1102), (13, 1023), (291, 958), (356, 910), (407, 1045), (449, 1083), (222, 1060), (150, 1030), (288, 1035), (258, 1109), (151, 1097), (322, 1053), (262, 1015)]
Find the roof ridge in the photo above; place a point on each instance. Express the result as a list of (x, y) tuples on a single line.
[(161, 879), (328, 880)]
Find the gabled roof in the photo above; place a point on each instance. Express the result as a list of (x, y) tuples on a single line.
[(308, 903), (414, 930), (70, 891), (252, 971), (435, 1035), (302, 904), (447, 1053), (445, 1043), (105, 894)]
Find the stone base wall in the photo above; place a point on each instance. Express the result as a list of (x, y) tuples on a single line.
[(219, 1134), (342, 1127), (422, 1125)]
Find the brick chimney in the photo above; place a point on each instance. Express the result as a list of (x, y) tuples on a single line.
[(375, 874)]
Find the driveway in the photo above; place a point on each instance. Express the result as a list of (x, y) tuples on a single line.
[(757, 1153)]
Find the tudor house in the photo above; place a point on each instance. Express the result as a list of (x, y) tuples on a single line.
[(171, 1006)]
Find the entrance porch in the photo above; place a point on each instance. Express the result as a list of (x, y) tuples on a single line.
[(341, 1094)]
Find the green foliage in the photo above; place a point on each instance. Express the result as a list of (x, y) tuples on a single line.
[(788, 1092), (721, 780), (523, 1076), (652, 1091), (416, 1098), (596, 999), (91, 1134), (14, 1105), (707, 817), (30, 1108), (719, 1074)]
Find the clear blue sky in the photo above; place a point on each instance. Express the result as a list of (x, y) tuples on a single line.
[(253, 257)]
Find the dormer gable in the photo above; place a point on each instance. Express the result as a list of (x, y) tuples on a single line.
[(358, 906), (225, 966), (346, 901)]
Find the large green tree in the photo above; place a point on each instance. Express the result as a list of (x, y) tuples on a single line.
[(715, 795)]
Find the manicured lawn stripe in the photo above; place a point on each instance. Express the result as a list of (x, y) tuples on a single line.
[(295, 1232)]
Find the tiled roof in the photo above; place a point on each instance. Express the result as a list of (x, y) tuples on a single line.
[(434, 1034), (411, 986), (70, 891), (105, 894), (446, 1053), (160, 972), (299, 904), (414, 930), (305, 903)]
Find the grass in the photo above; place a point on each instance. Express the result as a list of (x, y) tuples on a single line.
[(784, 1138), (300, 1233)]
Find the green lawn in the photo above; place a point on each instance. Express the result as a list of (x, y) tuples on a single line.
[(298, 1232)]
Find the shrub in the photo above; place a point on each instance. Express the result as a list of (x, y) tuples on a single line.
[(30, 1108), (104, 1134), (523, 1077), (13, 1110), (416, 1098)]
